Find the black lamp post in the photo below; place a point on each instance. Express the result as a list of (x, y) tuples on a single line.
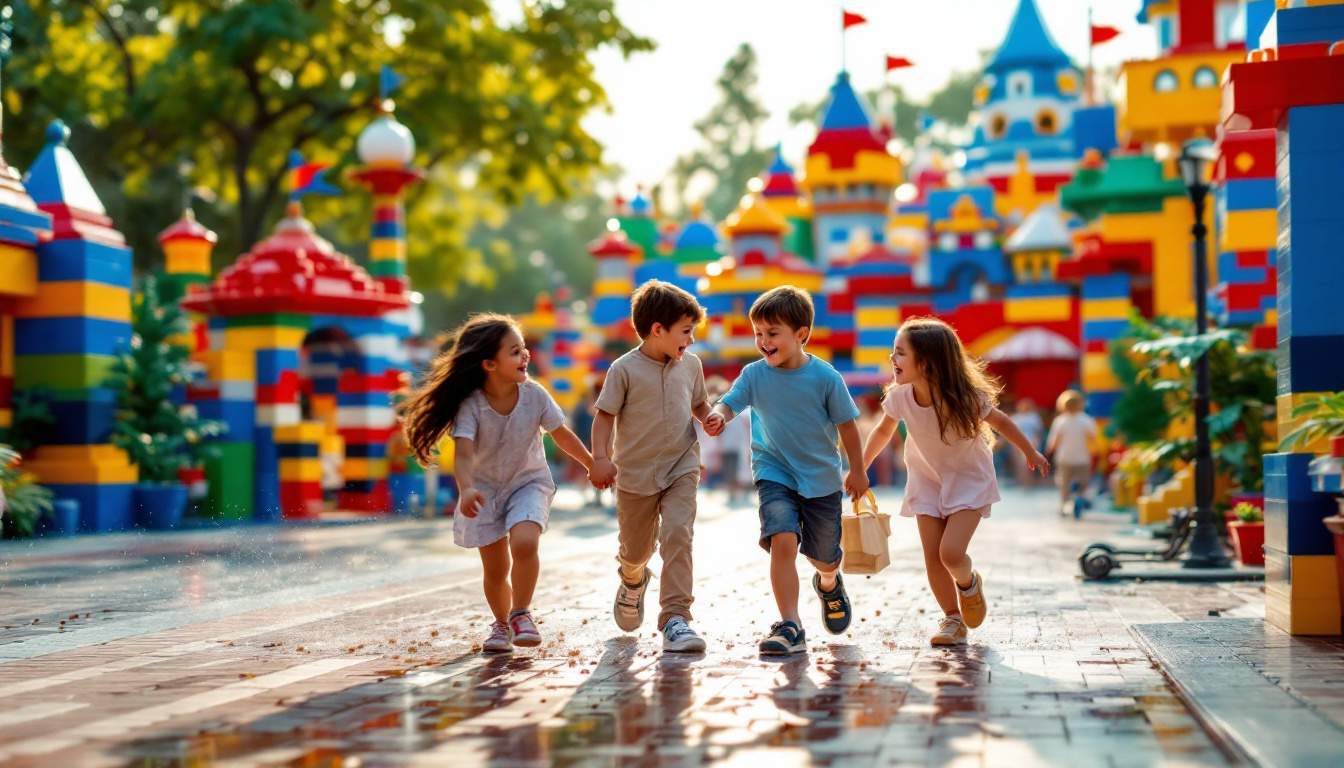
[(1206, 548)]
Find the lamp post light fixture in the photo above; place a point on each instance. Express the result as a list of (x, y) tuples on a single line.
[(1206, 548)]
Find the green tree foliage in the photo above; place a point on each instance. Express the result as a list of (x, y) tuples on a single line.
[(730, 149), (228, 88), (22, 500), (158, 434)]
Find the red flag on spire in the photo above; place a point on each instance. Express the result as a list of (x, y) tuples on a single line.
[(898, 62), (1101, 34), (852, 19)]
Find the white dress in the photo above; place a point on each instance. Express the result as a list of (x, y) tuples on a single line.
[(943, 476)]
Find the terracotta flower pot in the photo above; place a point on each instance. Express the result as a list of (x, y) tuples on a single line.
[(1248, 539)]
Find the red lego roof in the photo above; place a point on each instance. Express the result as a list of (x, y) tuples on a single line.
[(187, 228), (612, 245)]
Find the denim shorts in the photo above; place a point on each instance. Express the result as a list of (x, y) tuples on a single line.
[(816, 522)]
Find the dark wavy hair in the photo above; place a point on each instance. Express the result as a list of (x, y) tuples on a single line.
[(957, 381), (430, 410)]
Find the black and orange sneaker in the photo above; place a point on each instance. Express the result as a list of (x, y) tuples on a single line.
[(836, 612)]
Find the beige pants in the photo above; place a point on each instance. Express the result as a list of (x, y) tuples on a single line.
[(664, 519), (1068, 474)]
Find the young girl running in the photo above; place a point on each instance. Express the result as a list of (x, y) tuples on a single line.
[(948, 405), (479, 390)]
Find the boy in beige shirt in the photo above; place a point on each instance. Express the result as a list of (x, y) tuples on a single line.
[(651, 395)]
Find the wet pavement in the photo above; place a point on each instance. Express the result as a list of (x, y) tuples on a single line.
[(356, 645)]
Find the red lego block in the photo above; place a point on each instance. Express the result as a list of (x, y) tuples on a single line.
[(1253, 259), (1265, 337), (1246, 155), (353, 382), (1258, 93)]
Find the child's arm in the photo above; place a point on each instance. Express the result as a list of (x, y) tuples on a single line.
[(567, 441), (701, 411), (464, 471), (602, 473), (719, 415), (857, 482), (999, 422), (878, 439)]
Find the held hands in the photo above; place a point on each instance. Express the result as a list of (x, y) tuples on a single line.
[(602, 474), (471, 502), (1037, 462), (714, 424), (856, 483)]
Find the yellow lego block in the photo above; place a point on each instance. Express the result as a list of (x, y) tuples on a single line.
[(268, 337), (231, 365), (191, 259), (1041, 309), (1249, 230), (387, 250), (1162, 103), (1097, 375), (300, 470), (613, 286), (18, 270), (872, 356), (364, 468), (102, 464), (303, 432), (67, 298), (323, 407), (6, 418), (867, 318), (868, 167), (6, 346), (1286, 423), (1106, 309), (1302, 593)]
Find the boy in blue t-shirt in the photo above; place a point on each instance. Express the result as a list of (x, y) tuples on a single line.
[(799, 404)]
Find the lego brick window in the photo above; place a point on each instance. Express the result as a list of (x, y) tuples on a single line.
[(984, 240), (839, 235), (998, 126), (1166, 81), (1205, 77), (948, 241), (1019, 85), (1047, 122), (1067, 82)]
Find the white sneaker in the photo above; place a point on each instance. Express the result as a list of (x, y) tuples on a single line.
[(678, 637), (628, 610), (500, 640)]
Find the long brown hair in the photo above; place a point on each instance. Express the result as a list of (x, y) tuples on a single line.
[(957, 382), (430, 410)]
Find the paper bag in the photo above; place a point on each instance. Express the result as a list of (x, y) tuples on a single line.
[(863, 537)]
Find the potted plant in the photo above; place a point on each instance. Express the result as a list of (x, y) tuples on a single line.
[(23, 502), (160, 435), (1248, 534)]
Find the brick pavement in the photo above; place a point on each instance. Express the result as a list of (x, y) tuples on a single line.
[(310, 646)]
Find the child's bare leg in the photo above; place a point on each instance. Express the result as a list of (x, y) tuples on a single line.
[(960, 527), (827, 573), (523, 540), (784, 575), (940, 581), (495, 578)]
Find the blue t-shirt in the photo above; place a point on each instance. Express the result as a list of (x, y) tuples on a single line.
[(794, 413)]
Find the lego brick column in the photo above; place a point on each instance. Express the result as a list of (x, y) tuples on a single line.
[(6, 369), (1105, 314), (298, 446), (1247, 231), (187, 246), (228, 395), (364, 414), (1298, 89), (22, 225), (66, 337)]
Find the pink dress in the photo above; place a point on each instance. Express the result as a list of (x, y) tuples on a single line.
[(943, 477)]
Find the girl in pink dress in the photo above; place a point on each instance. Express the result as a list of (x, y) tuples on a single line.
[(948, 405)]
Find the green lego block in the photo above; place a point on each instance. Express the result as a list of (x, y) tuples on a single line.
[(62, 372), (229, 478)]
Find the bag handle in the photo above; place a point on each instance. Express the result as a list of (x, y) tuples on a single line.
[(867, 505)]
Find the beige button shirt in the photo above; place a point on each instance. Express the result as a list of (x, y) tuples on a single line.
[(655, 431)]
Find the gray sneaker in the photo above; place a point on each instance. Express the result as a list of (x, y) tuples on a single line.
[(678, 637), (628, 610), (499, 640)]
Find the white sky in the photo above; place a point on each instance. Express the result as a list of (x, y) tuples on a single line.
[(656, 97)]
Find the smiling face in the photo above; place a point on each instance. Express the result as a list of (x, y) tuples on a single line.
[(510, 362), (780, 345), (671, 343), (903, 362)]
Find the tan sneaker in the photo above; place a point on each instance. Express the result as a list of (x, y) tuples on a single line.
[(951, 631), (972, 601)]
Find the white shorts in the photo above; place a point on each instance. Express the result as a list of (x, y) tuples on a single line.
[(529, 503)]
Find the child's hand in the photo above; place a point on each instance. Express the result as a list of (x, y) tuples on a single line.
[(471, 502), (714, 424), (1037, 462), (856, 483), (602, 474)]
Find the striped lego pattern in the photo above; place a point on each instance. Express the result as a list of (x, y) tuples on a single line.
[(300, 463), (1247, 234), (1105, 312), (228, 394)]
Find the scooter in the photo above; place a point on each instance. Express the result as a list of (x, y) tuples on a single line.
[(1099, 558)]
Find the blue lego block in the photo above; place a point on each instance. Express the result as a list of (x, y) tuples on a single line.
[(1104, 330), (881, 338), (841, 322), (366, 450), (102, 508), (1094, 128), (238, 416), (388, 229), (361, 486), (1232, 273), (1258, 14), (372, 365), (1106, 287), (404, 489), (1319, 24), (271, 363), (362, 399), (608, 310), (297, 450), (1286, 476), (966, 267), (84, 260), (356, 326), (70, 336), (942, 200), (1310, 363), (1295, 527), (947, 302), (1037, 291), (266, 497), (1249, 194), (84, 421), (1100, 404)]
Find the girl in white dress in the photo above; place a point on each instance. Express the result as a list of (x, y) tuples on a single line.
[(948, 405), (479, 391)]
